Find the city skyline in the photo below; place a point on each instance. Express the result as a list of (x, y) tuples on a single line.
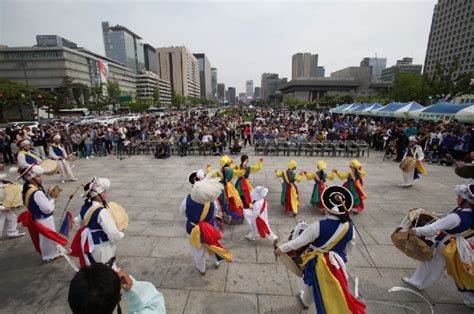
[(269, 49)]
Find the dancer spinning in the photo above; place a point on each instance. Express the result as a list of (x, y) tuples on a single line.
[(243, 184), (229, 199), (414, 150), (325, 274), (8, 219), (38, 217), (257, 217), (289, 193), (354, 184), (456, 225), (200, 210), (319, 178), (98, 236), (58, 153)]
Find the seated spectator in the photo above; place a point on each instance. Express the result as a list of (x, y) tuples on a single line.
[(96, 289)]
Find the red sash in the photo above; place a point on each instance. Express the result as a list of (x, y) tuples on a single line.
[(76, 248), (262, 227), (35, 229)]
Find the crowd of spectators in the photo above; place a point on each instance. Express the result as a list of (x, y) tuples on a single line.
[(444, 142)]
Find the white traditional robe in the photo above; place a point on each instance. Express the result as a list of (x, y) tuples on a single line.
[(428, 272), (199, 255), (8, 223), (409, 177), (65, 170), (251, 215), (49, 249), (104, 251)]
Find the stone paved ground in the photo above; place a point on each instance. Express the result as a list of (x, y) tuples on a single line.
[(155, 247)]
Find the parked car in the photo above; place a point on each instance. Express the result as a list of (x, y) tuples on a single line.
[(30, 124), (87, 120), (132, 116), (106, 120)]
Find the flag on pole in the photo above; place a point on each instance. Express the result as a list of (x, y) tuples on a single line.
[(66, 224)]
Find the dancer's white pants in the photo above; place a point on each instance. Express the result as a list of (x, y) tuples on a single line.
[(200, 258)]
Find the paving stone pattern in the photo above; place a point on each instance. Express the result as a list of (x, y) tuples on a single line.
[(156, 248)]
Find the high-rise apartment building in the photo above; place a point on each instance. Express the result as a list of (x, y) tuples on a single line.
[(304, 65), (151, 58), (123, 46), (270, 84), (256, 92), (231, 95), (221, 92), (214, 82), (249, 89), (451, 36), (377, 65), (148, 82), (179, 67), (204, 75), (402, 66)]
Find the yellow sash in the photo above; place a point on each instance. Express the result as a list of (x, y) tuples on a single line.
[(294, 195), (195, 236), (89, 216), (62, 149), (30, 191), (419, 164), (308, 256), (461, 273), (31, 155)]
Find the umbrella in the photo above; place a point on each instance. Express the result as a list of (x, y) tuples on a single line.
[(440, 111), (403, 112), (466, 114)]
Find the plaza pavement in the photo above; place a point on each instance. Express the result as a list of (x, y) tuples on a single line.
[(155, 247)]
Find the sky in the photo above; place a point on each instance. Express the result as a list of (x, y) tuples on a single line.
[(242, 39)]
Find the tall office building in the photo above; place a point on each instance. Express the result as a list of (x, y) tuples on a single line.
[(151, 58), (270, 84), (256, 92), (123, 46), (204, 75), (214, 82), (377, 65), (231, 95), (54, 41), (179, 67), (304, 65), (320, 71), (249, 89), (221, 92), (402, 66), (451, 36)]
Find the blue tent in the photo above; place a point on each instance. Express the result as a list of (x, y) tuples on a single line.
[(360, 108), (404, 111), (388, 110), (440, 111), (340, 108)]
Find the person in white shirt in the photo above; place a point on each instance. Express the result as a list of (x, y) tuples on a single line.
[(257, 217), (8, 219), (414, 150), (58, 152)]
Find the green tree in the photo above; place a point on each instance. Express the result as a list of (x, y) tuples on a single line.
[(446, 86), (290, 101), (12, 95), (113, 91), (408, 87), (140, 104), (177, 100), (156, 97)]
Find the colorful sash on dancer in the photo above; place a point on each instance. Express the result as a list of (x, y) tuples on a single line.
[(419, 165), (205, 233), (31, 158), (58, 150), (290, 193), (458, 255), (324, 271), (319, 187), (35, 228), (83, 245), (244, 187), (262, 226), (230, 200)]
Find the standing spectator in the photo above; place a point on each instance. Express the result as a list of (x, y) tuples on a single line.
[(88, 143), (462, 144), (247, 135), (38, 143), (76, 141), (183, 144), (100, 142), (5, 148)]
